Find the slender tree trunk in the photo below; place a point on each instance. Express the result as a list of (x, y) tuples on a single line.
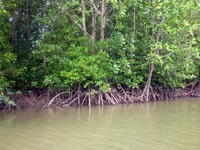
[(134, 22), (103, 19), (145, 93), (14, 33), (76, 21), (83, 17), (94, 21)]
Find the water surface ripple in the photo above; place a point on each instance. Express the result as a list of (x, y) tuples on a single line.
[(164, 125)]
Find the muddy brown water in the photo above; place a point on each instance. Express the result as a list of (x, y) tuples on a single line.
[(163, 125)]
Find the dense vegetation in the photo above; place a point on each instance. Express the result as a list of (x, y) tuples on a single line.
[(92, 47)]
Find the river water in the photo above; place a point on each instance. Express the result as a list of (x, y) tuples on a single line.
[(164, 125)]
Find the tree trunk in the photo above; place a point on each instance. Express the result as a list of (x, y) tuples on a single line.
[(14, 33), (145, 93), (83, 17), (94, 21), (103, 19), (134, 23)]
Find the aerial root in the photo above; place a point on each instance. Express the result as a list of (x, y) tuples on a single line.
[(115, 96)]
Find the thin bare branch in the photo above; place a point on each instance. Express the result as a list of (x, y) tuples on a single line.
[(78, 24), (94, 6)]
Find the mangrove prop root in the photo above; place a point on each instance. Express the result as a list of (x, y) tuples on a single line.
[(54, 98), (115, 96)]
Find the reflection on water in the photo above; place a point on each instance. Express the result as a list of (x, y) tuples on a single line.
[(166, 125)]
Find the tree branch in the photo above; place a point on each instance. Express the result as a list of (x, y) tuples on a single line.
[(94, 6), (79, 25)]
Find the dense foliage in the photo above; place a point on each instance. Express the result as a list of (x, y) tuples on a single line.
[(101, 44)]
